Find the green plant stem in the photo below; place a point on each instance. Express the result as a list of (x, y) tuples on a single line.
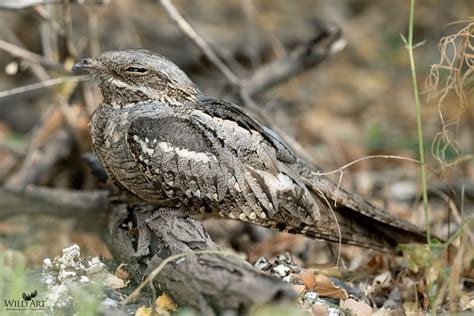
[(418, 124), (424, 189)]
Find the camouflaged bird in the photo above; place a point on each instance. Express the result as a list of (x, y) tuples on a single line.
[(162, 140)]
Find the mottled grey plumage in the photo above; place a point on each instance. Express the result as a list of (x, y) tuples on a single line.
[(162, 140)]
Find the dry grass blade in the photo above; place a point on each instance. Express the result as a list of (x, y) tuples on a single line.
[(340, 170)]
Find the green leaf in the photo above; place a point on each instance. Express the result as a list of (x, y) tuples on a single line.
[(423, 42), (404, 39)]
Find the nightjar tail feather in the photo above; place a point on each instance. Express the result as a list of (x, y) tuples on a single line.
[(360, 222)]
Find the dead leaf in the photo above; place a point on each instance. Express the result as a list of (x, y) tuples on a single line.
[(8, 229), (329, 271), (358, 308), (143, 311), (134, 297), (411, 308), (90, 243), (165, 302), (383, 312), (378, 262), (114, 282), (325, 287), (164, 305), (276, 245), (322, 285), (467, 301), (121, 273), (319, 310), (307, 277), (298, 288), (383, 280), (417, 256)]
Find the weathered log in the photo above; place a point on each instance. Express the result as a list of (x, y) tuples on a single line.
[(209, 283)]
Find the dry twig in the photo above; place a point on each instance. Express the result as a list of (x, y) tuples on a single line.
[(40, 85), (36, 200), (30, 56), (200, 42), (303, 58)]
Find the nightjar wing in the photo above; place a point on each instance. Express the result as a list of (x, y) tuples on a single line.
[(218, 166)]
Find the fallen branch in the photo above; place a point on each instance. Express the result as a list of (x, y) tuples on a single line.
[(210, 283), (327, 42), (37, 200)]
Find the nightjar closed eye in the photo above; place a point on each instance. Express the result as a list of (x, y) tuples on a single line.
[(136, 70)]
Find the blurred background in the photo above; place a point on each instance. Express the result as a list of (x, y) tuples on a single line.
[(357, 103)]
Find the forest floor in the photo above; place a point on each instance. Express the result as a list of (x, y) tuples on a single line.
[(358, 103)]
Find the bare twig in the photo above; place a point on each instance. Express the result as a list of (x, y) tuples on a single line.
[(248, 10), (45, 15), (67, 20), (40, 85), (326, 43), (199, 41), (49, 38), (303, 58), (37, 69), (202, 44), (16, 4), (29, 56)]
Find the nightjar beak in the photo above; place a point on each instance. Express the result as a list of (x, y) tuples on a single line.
[(87, 65)]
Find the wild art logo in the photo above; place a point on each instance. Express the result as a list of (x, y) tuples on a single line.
[(27, 297), (28, 303)]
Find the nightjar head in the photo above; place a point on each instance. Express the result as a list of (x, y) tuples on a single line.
[(135, 75)]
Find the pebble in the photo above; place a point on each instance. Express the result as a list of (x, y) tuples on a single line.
[(281, 270), (262, 264), (310, 298)]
